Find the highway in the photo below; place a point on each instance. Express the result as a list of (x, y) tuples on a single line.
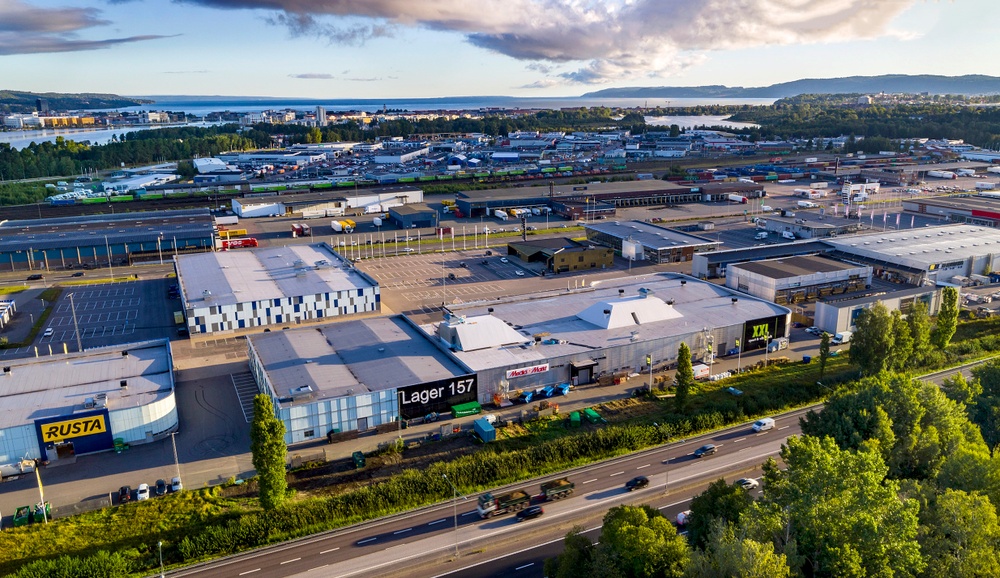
[(425, 540)]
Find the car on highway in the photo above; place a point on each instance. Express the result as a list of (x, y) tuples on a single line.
[(763, 424), (35, 277), (683, 518), (160, 487), (747, 483), (124, 494), (79, 274), (142, 493), (529, 513), (637, 483), (409, 250), (705, 450), (48, 332)]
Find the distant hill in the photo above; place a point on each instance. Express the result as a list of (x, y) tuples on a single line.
[(13, 101), (972, 84)]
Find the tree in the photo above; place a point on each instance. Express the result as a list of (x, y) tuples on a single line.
[(576, 559), (824, 353), (960, 536), (920, 332), (873, 339), (947, 318), (902, 343), (962, 390), (267, 444), (729, 556), (720, 502), (638, 542), (985, 412), (684, 376)]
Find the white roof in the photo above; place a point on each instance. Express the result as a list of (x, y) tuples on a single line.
[(921, 248), (209, 164), (628, 312), (480, 332), (242, 276)]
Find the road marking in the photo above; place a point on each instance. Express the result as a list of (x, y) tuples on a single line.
[(366, 540), (402, 531), (319, 567), (437, 521), (249, 571), (523, 567), (783, 427), (763, 433), (290, 561), (640, 467), (588, 481), (469, 513), (739, 440), (330, 550), (617, 474)]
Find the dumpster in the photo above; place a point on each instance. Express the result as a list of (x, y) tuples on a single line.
[(22, 514), (43, 511), (574, 419), (359, 460), (466, 409), (806, 358)]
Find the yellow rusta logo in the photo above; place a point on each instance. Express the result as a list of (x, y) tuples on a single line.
[(74, 428)]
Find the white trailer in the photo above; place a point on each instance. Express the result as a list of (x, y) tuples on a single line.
[(500, 214), (942, 174), (985, 186), (227, 220)]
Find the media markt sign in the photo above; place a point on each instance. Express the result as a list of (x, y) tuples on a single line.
[(524, 371)]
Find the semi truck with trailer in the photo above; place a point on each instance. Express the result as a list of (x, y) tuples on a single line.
[(738, 199), (493, 505), (557, 489), (500, 214)]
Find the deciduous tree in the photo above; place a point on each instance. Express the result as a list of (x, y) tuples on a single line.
[(728, 556), (920, 331), (267, 444), (720, 502), (947, 318), (872, 342), (638, 542)]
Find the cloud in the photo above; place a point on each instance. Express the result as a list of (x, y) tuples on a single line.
[(591, 41), (313, 76), (27, 29)]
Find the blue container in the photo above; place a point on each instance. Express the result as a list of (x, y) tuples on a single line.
[(806, 359)]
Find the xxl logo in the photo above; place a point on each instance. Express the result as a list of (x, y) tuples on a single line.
[(63, 430), (760, 331)]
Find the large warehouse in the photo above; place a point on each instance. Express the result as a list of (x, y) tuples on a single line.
[(67, 242), (644, 241), (834, 315), (331, 203), (797, 279), (549, 338), (236, 291), (355, 375), (57, 407), (981, 210)]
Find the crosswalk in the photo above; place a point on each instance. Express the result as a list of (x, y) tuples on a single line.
[(246, 389)]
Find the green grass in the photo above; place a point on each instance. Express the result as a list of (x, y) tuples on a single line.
[(11, 289)]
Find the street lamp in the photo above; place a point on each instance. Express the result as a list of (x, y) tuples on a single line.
[(158, 250), (159, 546), (454, 503), (111, 267)]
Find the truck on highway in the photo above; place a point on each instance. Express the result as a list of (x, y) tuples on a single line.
[(490, 505), (557, 489)]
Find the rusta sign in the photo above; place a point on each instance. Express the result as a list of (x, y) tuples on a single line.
[(525, 371), (73, 428)]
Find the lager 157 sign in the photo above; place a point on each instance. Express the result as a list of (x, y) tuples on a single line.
[(436, 396)]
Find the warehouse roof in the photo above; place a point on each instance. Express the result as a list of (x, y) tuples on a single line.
[(542, 190), (651, 236), (924, 248), (559, 324), (796, 266), (351, 358), (90, 230), (57, 385), (229, 277)]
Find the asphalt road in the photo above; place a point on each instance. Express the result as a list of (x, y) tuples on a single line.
[(386, 547)]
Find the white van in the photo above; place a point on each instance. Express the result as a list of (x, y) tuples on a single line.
[(763, 424), (842, 337), (766, 208), (760, 235), (788, 235)]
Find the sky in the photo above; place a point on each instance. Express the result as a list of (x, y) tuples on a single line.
[(434, 48)]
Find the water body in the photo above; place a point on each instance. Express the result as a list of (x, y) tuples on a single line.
[(693, 121), (20, 139)]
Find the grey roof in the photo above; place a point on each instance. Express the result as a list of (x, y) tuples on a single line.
[(923, 247), (650, 235), (352, 358), (879, 296), (59, 385), (795, 266), (765, 252), (542, 190), (556, 316), (991, 204), (90, 230), (229, 277)]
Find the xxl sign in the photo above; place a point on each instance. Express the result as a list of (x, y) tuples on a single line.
[(436, 396), (758, 332), (524, 371), (59, 431)]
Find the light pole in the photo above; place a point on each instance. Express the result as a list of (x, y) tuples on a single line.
[(158, 249), (649, 362), (177, 464), (454, 503), (739, 356), (159, 546), (111, 267), (767, 343)]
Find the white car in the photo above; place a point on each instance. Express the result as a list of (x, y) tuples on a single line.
[(175, 484), (142, 493), (748, 483), (519, 273), (504, 260), (48, 332)]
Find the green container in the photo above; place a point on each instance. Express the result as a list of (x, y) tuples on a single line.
[(574, 419), (22, 515), (466, 409), (359, 460), (592, 416)]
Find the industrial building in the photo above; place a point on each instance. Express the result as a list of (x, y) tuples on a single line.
[(562, 255), (983, 209), (807, 225), (577, 337), (284, 158), (248, 290), (89, 240), (834, 315), (332, 203), (797, 279), (410, 216), (356, 375), (714, 264), (60, 406), (643, 241)]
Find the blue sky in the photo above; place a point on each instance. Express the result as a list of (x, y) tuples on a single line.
[(429, 48)]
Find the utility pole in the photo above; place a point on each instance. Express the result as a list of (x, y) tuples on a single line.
[(454, 503), (177, 464), (76, 327)]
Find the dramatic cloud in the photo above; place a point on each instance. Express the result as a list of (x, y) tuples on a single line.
[(26, 29), (591, 41)]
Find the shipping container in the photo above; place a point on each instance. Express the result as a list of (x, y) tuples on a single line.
[(232, 233), (485, 430)]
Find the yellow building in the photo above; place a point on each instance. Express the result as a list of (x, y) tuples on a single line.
[(562, 255)]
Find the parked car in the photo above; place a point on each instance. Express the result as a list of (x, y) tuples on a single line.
[(747, 483), (160, 488), (529, 513), (504, 260), (519, 273), (48, 332), (637, 483), (705, 450), (124, 494), (142, 493), (175, 484), (814, 331)]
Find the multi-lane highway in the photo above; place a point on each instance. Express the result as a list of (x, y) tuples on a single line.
[(420, 542)]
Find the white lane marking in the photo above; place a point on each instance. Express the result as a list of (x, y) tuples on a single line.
[(468, 513), (366, 540), (783, 427), (640, 467), (437, 521), (318, 567), (617, 474), (763, 433), (290, 561), (402, 531), (523, 567), (588, 481), (250, 571), (330, 550), (739, 440)]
